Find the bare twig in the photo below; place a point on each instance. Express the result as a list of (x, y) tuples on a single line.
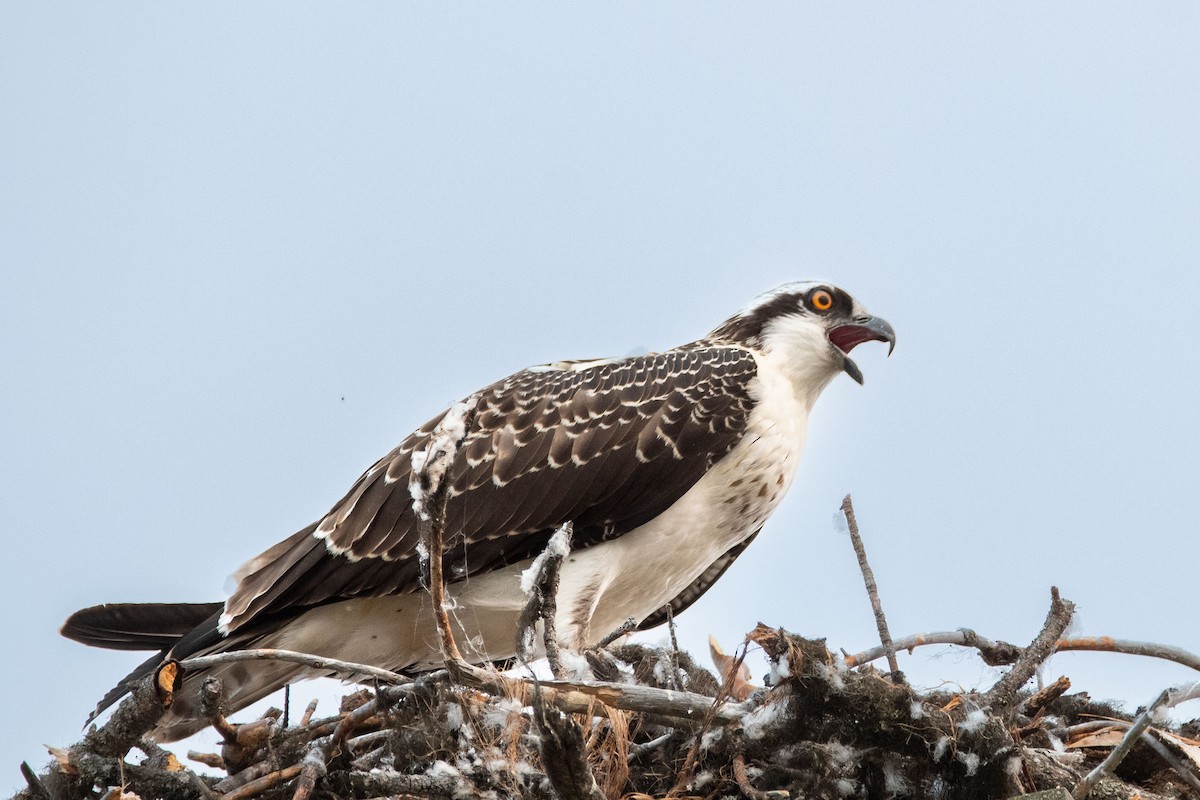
[(997, 653), (212, 701), (1183, 694), (203, 788), (370, 759), (312, 770), (1177, 764), (1107, 644), (250, 773), (36, 787), (674, 648), (430, 488), (373, 737), (1038, 701), (541, 581), (260, 785), (396, 786), (207, 759), (748, 789), (319, 662), (580, 697), (1042, 647), (710, 716), (994, 653), (307, 716), (628, 626), (1136, 729), (437, 589), (872, 591), (637, 750)]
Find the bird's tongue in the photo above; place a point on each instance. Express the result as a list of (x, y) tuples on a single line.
[(847, 337)]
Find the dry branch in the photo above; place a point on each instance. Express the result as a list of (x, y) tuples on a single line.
[(885, 637), (147, 702), (1039, 700), (542, 604), (312, 769), (260, 785), (993, 653), (333, 665), (748, 789), (998, 653), (1057, 619), (1119, 752), (1107, 644), (626, 627)]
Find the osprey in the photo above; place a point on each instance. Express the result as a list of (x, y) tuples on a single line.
[(666, 464)]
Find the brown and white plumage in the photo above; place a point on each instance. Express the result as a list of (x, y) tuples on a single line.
[(666, 464)]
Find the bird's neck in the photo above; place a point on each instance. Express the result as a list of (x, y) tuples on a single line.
[(805, 361)]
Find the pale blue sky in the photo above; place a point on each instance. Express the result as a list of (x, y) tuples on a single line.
[(247, 248)]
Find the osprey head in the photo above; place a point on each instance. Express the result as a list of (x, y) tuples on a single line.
[(817, 324)]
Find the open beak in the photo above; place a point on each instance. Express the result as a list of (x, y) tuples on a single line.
[(862, 329)]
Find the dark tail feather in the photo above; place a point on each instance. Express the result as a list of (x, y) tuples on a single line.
[(178, 630), (137, 626)]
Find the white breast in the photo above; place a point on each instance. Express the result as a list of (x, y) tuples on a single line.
[(639, 573)]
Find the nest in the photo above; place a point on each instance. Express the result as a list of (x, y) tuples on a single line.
[(820, 729)]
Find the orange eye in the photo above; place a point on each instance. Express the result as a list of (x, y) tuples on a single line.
[(821, 300)]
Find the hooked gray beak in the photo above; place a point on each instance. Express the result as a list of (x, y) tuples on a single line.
[(862, 329)]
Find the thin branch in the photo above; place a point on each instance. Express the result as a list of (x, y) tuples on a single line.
[(1041, 648), (748, 789), (318, 662), (998, 653), (212, 702), (1040, 700), (872, 591), (394, 785), (312, 769), (247, 775), (1183, 693), (540, 580), (710, 716), (628, 626), (674, 648), (362, 740), (308, 713), (430, 489), (370, 759), (580, 697), (640, 749), (1136, 729), (36, 787), (207, 759), (994, 653), (260, 785), (1107, 644), (1148, 738), (1177, 764)]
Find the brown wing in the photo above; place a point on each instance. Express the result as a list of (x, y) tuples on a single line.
[(608, 445)]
